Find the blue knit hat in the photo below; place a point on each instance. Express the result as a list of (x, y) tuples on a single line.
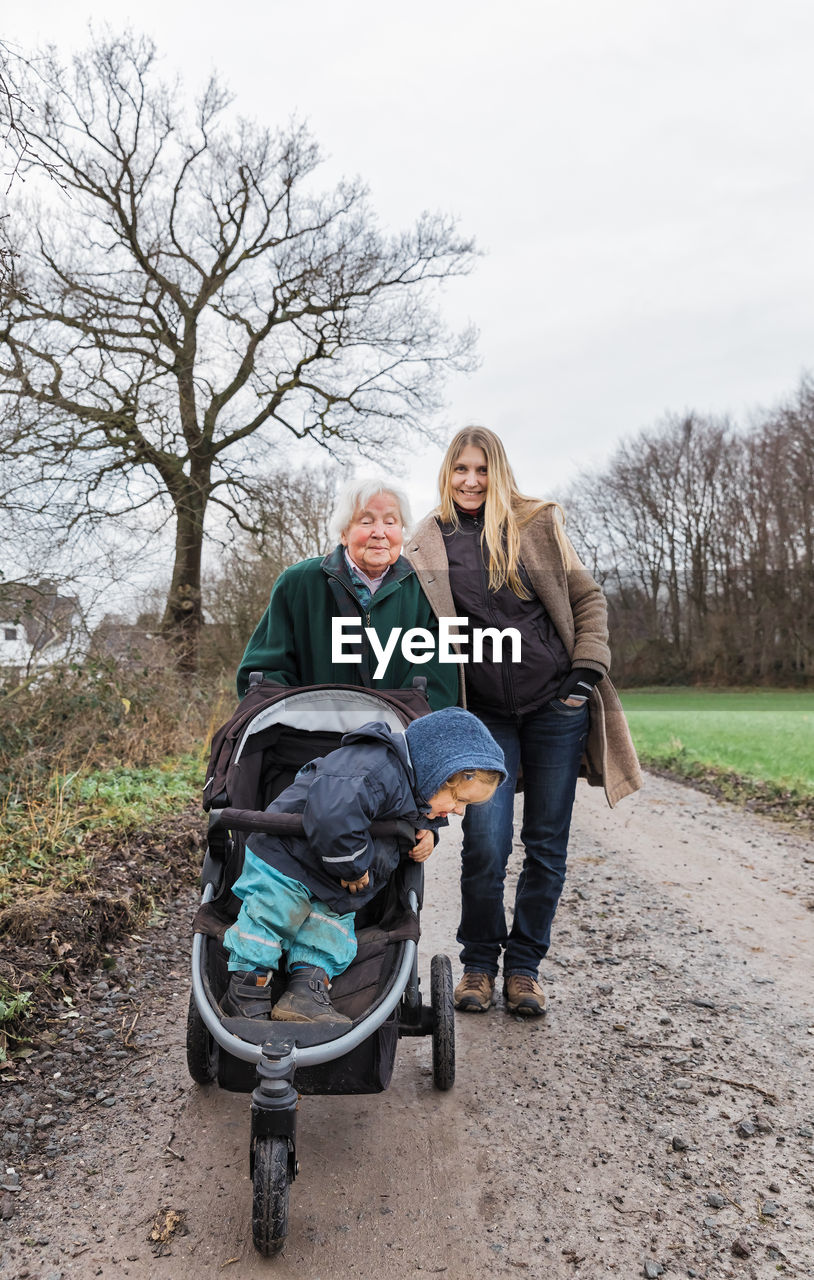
[(447, 741)]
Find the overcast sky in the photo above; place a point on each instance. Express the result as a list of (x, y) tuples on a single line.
[(637, 174)]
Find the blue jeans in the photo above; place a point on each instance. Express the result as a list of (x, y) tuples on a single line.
[(549, 744)]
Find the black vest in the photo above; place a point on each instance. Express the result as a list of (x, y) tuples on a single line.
[(506, 688)]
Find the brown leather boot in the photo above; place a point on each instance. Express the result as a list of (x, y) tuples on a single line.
[(523, 995), (475, 993)]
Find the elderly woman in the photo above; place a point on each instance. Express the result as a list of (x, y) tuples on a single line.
[(365, 581)]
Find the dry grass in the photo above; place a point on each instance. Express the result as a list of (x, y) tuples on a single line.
[(95, 748), (101, 767)]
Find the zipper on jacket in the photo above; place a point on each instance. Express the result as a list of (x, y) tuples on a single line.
[(505, 667), (509, 689), (486, 596)]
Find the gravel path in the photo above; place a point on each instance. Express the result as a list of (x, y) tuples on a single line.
[(659, 1120)]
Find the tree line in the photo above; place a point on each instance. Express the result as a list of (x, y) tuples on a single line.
[(701, 536)]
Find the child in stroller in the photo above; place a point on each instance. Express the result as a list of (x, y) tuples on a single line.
[(299, 894), (256, 765)]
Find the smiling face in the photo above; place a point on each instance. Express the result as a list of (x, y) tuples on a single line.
[(469, 479), (375, 534), (449, 800)]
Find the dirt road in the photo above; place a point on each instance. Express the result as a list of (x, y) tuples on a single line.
[(660, 1117)]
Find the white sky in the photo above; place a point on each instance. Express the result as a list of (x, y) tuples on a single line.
[(638, 174)]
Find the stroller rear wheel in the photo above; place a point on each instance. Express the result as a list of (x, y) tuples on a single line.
[(272, 1179), (202, 1048), (443, 1023)]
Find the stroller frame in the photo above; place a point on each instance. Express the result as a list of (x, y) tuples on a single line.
[(274, 1049)]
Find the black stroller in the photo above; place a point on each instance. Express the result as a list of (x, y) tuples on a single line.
[(274, 731)]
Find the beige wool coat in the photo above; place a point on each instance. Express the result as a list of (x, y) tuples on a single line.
[(576, 607)]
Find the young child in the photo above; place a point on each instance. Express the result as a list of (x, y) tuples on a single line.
[(299, 893)]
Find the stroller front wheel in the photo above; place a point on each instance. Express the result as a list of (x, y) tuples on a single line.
[(270, 1203), (443, 1022)]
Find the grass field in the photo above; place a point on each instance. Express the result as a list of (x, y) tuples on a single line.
[(764, 736)]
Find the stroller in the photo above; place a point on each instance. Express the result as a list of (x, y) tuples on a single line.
[(273, 733)]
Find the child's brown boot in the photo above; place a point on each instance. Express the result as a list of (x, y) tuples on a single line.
[(306, 999)]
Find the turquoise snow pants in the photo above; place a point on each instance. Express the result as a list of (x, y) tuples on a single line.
[(279, 919)]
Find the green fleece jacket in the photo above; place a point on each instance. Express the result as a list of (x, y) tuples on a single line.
[(291, 644)]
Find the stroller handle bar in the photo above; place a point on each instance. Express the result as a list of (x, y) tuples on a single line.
[(290, 824), (312, 1055)]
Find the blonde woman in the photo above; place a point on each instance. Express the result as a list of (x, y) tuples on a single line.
[(500, 559)]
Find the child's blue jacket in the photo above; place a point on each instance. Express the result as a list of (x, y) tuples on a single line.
[(368, 778)]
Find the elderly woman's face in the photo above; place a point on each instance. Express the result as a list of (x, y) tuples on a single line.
[(375, 534)]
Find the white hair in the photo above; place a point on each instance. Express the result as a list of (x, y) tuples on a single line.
[(356, 494)]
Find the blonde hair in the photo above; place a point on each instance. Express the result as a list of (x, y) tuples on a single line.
[(506, 510), (489, 777)]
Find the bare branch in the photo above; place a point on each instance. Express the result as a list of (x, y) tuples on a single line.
[(196, 302)]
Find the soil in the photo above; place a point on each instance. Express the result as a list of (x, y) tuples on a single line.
[(658, 1120), (52, 937)]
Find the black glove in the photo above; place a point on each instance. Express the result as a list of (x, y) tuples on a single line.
[(579, 683)]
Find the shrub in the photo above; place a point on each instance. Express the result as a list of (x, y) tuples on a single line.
[(101, 713)]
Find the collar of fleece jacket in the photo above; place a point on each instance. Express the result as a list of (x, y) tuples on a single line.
[(334, 566)]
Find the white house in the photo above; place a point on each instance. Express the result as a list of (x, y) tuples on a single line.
[(15, 647), (38, 626)]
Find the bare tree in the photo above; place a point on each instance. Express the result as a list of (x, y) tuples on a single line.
[(13, 136), (16, 148), (197, 300), (777, 537), (703, 538)]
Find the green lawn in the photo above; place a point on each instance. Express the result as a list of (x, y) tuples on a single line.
[(765, 736)]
